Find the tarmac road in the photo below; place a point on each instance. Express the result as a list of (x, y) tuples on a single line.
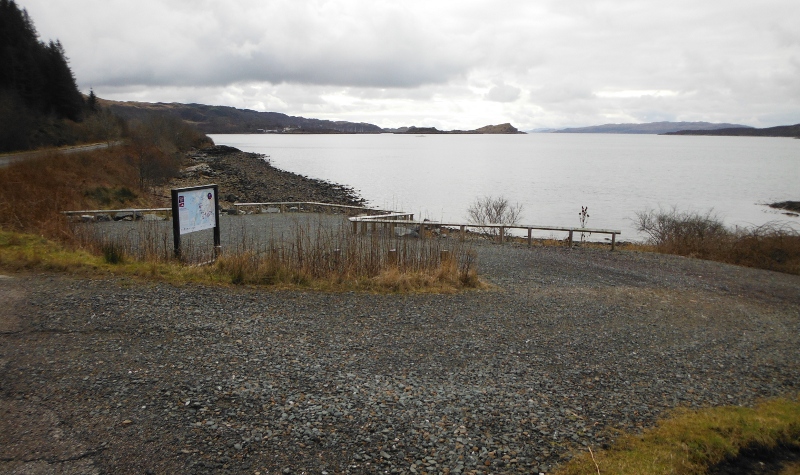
[(7, 159)]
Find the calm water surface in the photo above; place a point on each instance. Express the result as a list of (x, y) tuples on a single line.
[(551, 175)]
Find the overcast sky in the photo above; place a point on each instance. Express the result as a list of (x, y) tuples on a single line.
[(449, 64)]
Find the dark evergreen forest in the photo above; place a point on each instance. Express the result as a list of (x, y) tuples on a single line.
[(38, 94)]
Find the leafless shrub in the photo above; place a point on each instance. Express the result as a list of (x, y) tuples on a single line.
[(489, 210), (771, 246), (682, 232)]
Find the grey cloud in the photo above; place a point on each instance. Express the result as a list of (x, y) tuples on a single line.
[(503, 93), (731, 59), (559, 93), (164, 43)]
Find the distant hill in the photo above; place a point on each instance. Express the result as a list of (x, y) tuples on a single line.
[(498, 129), (230, 120), (487, 129), (649, 128), (780, 131)]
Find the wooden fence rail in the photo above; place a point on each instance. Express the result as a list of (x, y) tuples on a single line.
[(284, 206), (135, 212), (392, 223)]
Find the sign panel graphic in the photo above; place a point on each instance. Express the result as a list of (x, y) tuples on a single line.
[(196, 210)]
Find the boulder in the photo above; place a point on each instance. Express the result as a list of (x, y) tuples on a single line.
[(202, 169), (402, 231), (127, 216)]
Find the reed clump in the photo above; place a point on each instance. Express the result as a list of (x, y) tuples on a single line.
[(335, 259), (703, 235)]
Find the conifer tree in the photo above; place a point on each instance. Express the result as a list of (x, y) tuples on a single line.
[(91, 102), (36, 82)]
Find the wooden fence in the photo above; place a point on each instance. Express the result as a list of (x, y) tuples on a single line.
[(136, 212), (306, 206), (392, 220), (281, 206), (388, 219)]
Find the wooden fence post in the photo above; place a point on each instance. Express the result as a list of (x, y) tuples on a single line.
[(393, 257)]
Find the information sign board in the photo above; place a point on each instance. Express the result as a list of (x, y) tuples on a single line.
[(195, 209)]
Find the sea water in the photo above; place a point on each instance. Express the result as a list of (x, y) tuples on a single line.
[(551, 175)]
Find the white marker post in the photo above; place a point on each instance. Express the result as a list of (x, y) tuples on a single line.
[(195, 209)]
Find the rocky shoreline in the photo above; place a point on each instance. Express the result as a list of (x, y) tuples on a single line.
[(250, 178), (792, 206)]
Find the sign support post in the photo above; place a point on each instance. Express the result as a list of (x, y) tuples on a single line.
[(217, 240), (176, 225)]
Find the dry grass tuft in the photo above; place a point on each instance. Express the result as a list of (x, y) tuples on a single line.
[(690, 442), (335, 259)]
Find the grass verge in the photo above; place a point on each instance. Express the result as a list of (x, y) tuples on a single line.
[(27, 252), (690, 442)]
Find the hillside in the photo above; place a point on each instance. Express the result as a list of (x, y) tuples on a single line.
[(780, 131), (230, 120), (649, 128)]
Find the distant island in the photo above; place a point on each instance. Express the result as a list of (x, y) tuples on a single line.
[(779, 131), (649, 128), (488, 129)]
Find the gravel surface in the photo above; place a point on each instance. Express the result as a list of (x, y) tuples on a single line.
[(572, 345)]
